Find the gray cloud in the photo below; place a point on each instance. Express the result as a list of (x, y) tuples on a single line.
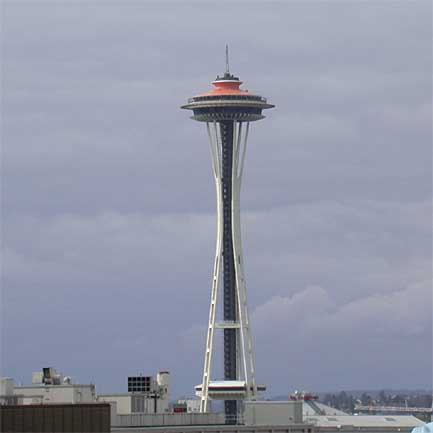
[(359, 336), (108, 202)]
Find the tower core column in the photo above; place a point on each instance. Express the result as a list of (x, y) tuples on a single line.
[(229, 272)]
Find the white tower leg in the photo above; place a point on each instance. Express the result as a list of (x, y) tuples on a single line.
[(239, 150), (213, 132), (245, 355)]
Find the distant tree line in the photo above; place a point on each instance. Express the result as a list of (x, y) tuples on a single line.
[(346, 402), (342, 401)]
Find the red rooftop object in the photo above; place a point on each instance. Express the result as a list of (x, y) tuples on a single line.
[(226, 87)]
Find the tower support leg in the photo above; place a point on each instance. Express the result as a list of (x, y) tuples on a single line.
[(216, 165), (228, 141)]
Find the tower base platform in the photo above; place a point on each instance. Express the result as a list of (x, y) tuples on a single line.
[(227, 390)]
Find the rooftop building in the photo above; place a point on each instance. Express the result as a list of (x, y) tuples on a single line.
[(146, 395)]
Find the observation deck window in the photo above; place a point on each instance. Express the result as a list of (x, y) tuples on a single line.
[(227, 97)]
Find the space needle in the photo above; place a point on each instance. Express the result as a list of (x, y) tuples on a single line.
[(227, 112)]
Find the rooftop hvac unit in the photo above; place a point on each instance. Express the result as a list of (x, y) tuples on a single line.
[(51, 377)]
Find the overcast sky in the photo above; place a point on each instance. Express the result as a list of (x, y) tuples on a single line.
[(109, 203)]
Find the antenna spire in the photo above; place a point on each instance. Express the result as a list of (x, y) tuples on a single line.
[(227, 60)]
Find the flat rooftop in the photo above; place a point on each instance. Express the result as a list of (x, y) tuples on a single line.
[(397, 421)]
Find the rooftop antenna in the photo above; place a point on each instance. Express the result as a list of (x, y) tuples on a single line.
[(227, 60)]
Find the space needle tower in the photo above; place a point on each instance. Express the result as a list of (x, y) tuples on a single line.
[(227, 112)]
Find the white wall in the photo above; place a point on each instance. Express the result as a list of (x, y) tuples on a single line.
[(163, 405), (84, 394), (6, 386), (181, 419), (59, 395), (32, 399), (123, 402), (56, 394), (272, 412), (125, 406), (192, 404)]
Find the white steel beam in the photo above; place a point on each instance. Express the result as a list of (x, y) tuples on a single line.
[(213, 139), (244, 342)]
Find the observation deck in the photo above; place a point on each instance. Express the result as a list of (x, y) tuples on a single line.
[(227, 102)]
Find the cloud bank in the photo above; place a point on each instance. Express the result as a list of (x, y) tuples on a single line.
[(108, 213)]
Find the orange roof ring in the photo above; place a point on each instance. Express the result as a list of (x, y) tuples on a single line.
[(226, 87)]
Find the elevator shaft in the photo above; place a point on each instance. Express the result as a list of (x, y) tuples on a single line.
[(229, 273)]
